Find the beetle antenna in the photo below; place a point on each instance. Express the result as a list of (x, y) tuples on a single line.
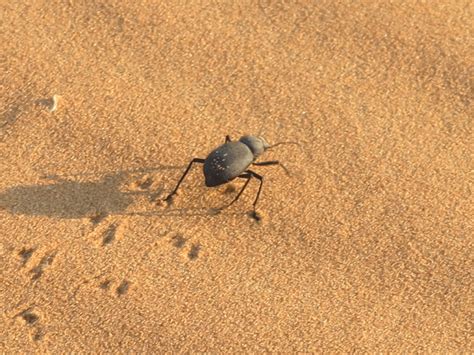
[(282, 143), (292, 142)]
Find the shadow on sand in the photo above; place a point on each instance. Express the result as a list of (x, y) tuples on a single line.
[(69, 199)]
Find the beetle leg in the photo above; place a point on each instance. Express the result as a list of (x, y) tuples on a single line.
[(195, 160), (248, 175), (260, 177), (243, 176), (272, 162), (227, 139)]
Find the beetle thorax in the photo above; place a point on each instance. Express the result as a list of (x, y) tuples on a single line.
[(256, 144)]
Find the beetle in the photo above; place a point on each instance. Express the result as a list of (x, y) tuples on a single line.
[(231, 160)]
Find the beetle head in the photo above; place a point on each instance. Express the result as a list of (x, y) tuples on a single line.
[(256, 144)]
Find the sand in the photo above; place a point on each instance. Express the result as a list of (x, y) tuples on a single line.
[(366, 246)]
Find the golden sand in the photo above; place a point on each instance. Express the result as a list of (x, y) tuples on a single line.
[(367, 246)]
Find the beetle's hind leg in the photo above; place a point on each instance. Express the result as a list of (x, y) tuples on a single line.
[(259, 177), (195, 160), (243, 176), (227, 139), (249, 174)]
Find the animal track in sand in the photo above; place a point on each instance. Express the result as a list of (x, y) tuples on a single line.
[(97, 218), (45, 261), (25, 255), (179, 242), (194, 251), (120, 290), (31, 318), (109, 235), (105, 285), (145, 183), (147, 186)]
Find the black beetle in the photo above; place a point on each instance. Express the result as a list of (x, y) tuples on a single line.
[(231, 160)]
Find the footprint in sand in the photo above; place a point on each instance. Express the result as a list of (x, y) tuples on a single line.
[(194, 251), (107, 233), (25, 255), (31, 318), (120, 290), (39, 269), (179, 242)]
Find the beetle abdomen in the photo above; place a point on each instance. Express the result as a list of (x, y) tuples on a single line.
[(226, 163)]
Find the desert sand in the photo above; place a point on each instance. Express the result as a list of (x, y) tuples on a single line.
[(365, 246)]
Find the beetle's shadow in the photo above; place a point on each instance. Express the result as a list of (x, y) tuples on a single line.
[(67, 198), (184, 212)]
